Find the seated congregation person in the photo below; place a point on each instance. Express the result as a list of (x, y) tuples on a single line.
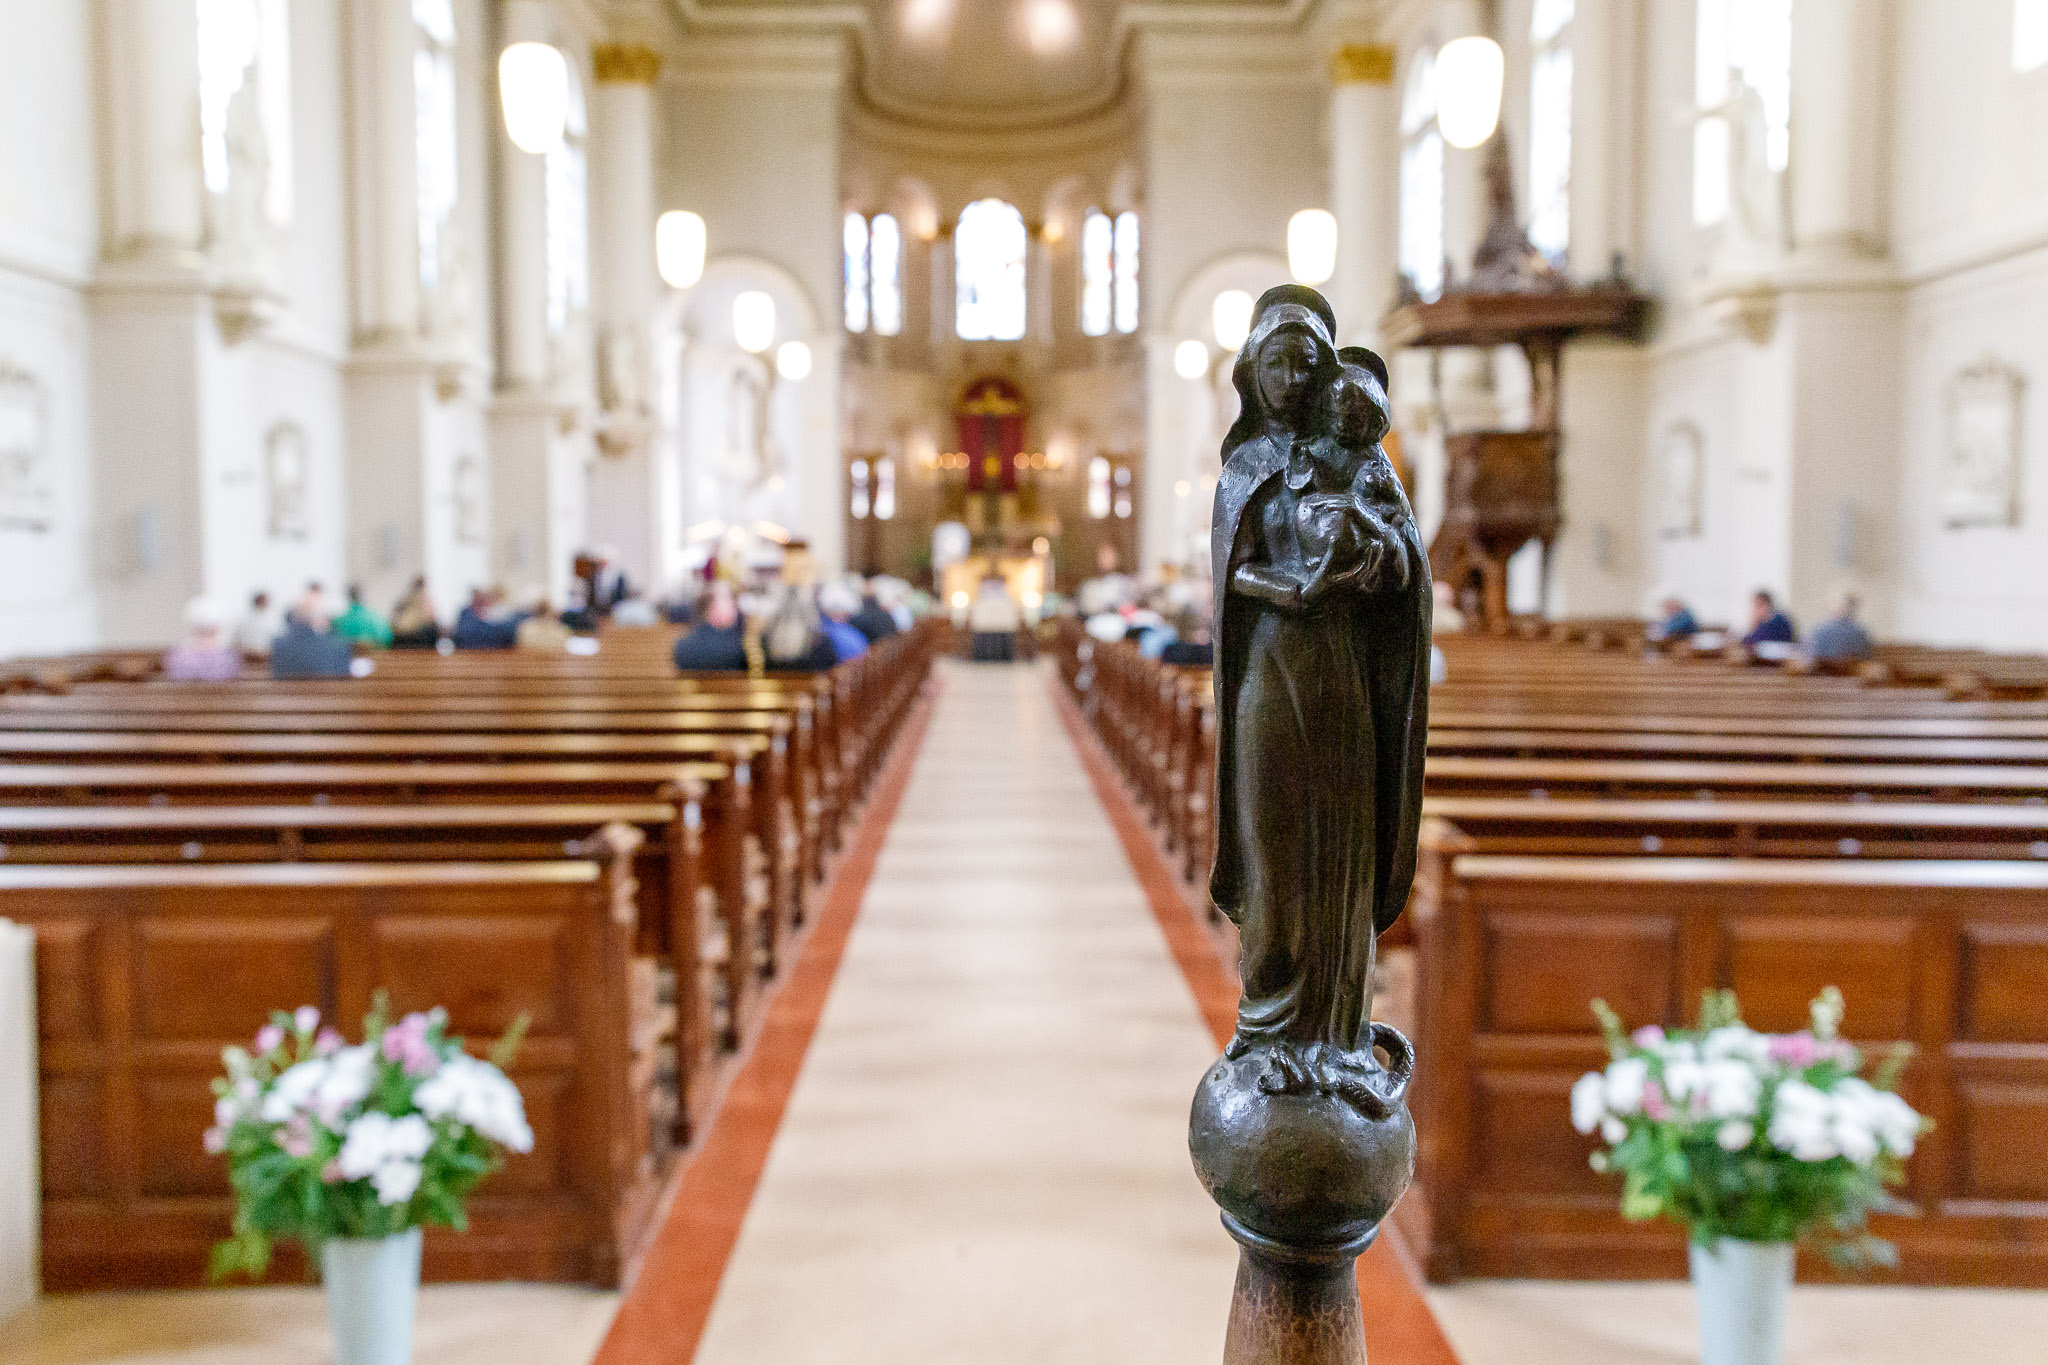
[(1444, 616), (1676, 623), (718, 642), (539, 629), (994, 618), (793, 635), (636, 611), (837, 604), (413, 625), (873, 620), (304, 650), (1191, 646), (1841, 640), (255, 631), (484, 624), (1768, 623), (205, 654), (358, 623)]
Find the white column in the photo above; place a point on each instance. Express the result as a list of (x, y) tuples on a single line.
[(1837, 127), (627, 503), (1365, 145), (1464, 169), (152, 99), (522, 228), (386, 180), (1604, 39)]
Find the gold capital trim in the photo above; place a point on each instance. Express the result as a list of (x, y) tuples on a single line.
[(625, 64), (1362, 64)]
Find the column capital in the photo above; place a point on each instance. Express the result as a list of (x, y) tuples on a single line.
[(1362, 64), (625, 64)]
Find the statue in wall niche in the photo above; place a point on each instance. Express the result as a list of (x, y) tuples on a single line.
[(1753, 232), (240, 227), (1300, 1130)]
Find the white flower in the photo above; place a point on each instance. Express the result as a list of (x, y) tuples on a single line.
[(477, 1095), (1683, 1078), (1732, 1089), (1897, 1123), (307, 1019), (350, 1074), (294, 1089), (1625, 1081), (1735, 1042), (1735, 1134), (365, 1146), (1589, 1101), (226, 1112), (395, 1181), (1802, 1122), (1613, 1129)]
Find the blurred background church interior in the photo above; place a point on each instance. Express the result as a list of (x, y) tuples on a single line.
[(739, 472)]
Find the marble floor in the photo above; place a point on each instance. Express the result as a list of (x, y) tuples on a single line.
[(984, 1158)]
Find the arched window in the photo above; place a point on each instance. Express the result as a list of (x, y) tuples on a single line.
[(2029, 35), (245, 84), (988, 272), (856, 244), (1752, 39), (568, 218), (434, 137), (1127, 271), (859, 502), (885, 488), (1550, 127), (1098, 488), (1109, 272), (874, 274), (1422, 180)]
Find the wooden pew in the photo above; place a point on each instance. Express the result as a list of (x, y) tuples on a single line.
[(145, 972), (674, 908), (1946, 955), (721, 793)]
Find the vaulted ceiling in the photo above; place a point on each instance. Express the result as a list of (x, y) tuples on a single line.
[(987, 64)]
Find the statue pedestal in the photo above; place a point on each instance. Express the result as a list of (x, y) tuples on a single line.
[(1294, 1305)]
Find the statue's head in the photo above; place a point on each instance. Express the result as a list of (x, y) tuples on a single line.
[(1286, 362), (1359, 415)]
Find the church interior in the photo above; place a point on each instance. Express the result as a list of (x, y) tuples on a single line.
[(670, 668)]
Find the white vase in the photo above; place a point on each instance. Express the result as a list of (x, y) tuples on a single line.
[(372, 1286), (1742, 1288)]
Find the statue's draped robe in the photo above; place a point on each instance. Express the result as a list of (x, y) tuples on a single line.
[(1321, 729)]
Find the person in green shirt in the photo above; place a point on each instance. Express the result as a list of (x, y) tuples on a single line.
[(362, 625)]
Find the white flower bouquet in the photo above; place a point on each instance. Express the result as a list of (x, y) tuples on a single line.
[(1752, 1136), (324, 1139)]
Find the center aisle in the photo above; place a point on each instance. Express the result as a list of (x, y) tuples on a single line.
[(985, 1155)]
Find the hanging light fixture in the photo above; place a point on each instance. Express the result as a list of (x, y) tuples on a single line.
[(793, 360), (533, 87), (679, 247), (1469, 72), (1231, 316), (1191, 359), (753, 321), (1312, 245)]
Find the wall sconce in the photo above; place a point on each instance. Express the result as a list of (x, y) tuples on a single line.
[(793, 360), (1312, 245), (679, 240), (1469, 72), (1191, 359), (753, 321), (1231, 316), (533, 88)]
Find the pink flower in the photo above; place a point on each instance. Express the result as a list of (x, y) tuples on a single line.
[(1653, 1102), (268, 1039), (294, 1139), (307, 1019), (406, 1043), (215, 1141), (1649, 1035), (1794, 1049), (331, 1173), (328, 1042)]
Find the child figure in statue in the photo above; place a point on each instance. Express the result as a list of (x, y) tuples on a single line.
[(1322, 672)]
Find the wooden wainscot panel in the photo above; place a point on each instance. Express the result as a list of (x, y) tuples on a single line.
[(2005, 984), (2003, 1131), (485, 970), (67, 995), (211, 976), (73, 1127), (1779, 961), (1544, 969), (1523, 1135)]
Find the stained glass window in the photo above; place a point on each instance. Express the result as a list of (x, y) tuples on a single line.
[(988, 272), (1098, 267), (856, 244), (1127, 271)]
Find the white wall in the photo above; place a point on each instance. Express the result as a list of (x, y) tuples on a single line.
[(49, 230)]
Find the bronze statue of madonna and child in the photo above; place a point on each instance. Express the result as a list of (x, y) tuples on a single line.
[(1300, 1131)]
